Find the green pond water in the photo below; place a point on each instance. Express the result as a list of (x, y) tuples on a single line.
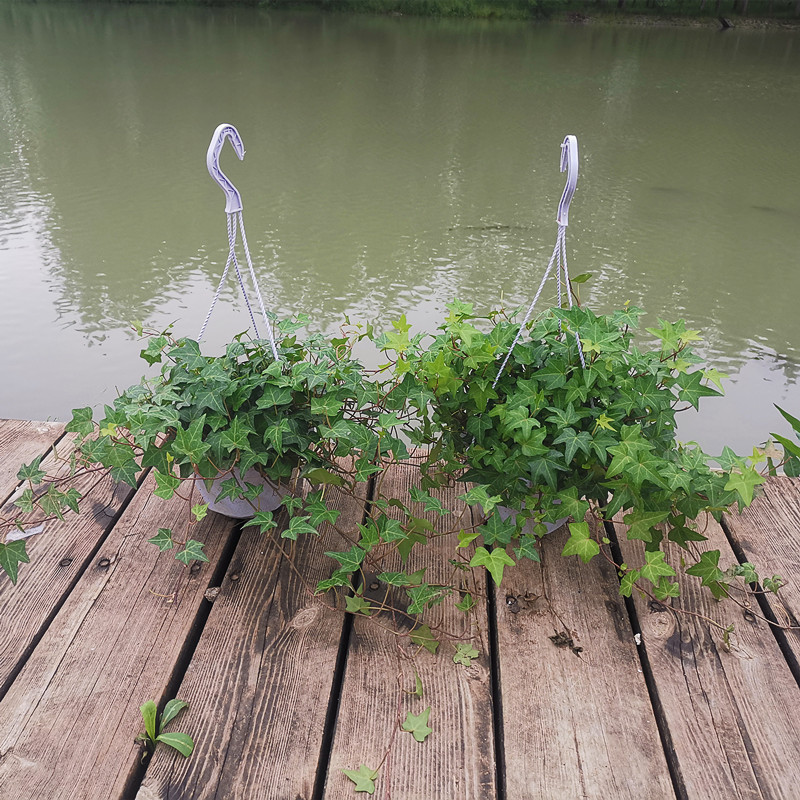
[(392, 164)]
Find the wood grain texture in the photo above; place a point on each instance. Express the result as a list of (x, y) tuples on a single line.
[(768, 532), (260, 680), (58, 555), (731, 711), (576, 724), (68, 722), (20, 442), (457, 760)]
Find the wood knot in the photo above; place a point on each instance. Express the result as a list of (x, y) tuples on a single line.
[(65, 562), (305, 617), (104, 563)]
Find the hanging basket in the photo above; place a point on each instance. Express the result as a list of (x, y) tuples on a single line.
[(509, 513), (270, 498)]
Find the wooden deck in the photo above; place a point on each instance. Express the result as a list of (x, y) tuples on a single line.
[(284, 693)]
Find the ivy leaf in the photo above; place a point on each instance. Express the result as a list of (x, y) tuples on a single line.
[(236, 436), (264, 520), (81, 422), (417, 725), (655, 567), (682, 534), (495, 561), (25, 502), (640, 523), (326, 406), (192, 551), (200, 511), (423, 637), (356, 604), (574, 441), (318, 512), (747, 572), (628, 580), (665, 589), (580, 542), (125, 471), (351, 560), (12, 554), (166, 485), (163, 539), (571, 505), (547, 468), (691, 389), (189, 441), (394, 578), (274, 396), (744, 483), (363, 778), (320, 475), (298, 526), (31, 472), (341, 429), (152, 353), (707, 569), (528, 548), (337, 579), (423, 596), (496, 530), (466, 538), (429, 503), (465, 653), (479, 494), (466, 603), (414, 536)]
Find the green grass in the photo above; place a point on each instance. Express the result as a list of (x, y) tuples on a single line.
[(575, 10)]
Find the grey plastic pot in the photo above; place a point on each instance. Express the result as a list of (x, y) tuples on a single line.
[(269, 499)]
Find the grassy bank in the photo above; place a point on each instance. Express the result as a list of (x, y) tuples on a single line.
[(738, 12), (576, 10)]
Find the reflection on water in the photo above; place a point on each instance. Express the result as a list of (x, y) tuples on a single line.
[(391, 165)]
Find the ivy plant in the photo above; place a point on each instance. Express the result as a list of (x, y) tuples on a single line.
[(571, 414), (312, 413)]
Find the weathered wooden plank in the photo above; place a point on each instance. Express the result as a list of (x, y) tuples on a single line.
[(261, 677), (58, 555), (68, 722), (577, 718), (20, 442), (768, 532), (457, 760), (730, 710)]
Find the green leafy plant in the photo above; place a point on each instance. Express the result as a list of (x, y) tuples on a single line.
[(245, 423), (581, 417), (363, 778), (154, 728), (791, 450)]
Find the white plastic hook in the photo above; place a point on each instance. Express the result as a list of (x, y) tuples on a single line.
[(233, 200), (569, 162)]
